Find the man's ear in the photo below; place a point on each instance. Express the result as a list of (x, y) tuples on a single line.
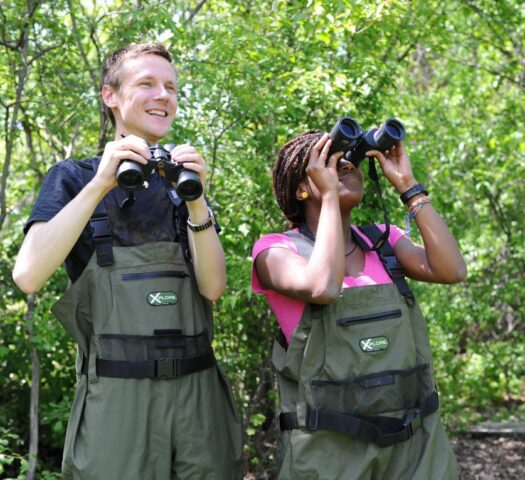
[(108, 96)]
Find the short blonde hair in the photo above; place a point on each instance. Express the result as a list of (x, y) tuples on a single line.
[(112, 67)]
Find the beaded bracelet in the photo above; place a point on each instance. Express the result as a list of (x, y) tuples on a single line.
[(413, 211)]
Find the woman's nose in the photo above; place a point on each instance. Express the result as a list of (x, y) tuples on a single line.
[(344, 165)]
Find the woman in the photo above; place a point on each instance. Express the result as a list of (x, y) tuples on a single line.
[(358, 397)]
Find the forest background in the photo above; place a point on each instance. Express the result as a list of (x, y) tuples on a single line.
[(254, 73)]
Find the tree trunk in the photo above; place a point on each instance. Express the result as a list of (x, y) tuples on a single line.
[(35, 388)]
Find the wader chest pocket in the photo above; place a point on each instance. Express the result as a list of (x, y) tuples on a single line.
[(150, 295), (369, 342), (372, 317)]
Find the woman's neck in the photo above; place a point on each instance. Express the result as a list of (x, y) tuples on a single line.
[(312, 224)]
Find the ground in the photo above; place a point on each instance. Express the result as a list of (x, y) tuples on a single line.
[(490, 457)]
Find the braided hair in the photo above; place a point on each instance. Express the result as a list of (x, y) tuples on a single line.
[(289, 170)]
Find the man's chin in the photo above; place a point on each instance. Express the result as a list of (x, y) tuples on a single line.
[(156, 137)]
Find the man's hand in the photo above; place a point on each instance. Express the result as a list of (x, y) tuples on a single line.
[(128, 148), (188, 156)]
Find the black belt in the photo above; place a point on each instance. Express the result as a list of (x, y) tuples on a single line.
[(383, 431), (164, 368)]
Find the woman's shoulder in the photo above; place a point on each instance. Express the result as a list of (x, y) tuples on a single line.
[(273, 240)]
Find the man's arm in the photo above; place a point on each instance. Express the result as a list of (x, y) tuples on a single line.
[(205, 248), (47, 244), (206, 253)]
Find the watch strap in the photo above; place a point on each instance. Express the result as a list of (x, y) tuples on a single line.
[(417, 189), (199, 227)]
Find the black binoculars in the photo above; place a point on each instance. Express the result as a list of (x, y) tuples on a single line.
[(131, 175), (348, 137)]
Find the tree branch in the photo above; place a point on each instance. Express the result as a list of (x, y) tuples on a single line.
[(194, 12)]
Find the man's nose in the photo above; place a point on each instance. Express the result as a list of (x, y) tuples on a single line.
[(161, 92)]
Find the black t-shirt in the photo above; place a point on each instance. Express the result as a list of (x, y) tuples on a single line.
[(151, 218)]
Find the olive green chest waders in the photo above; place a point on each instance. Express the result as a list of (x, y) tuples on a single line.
[(358, 398), (150, 403)]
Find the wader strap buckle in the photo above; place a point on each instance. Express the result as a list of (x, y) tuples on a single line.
[(166, 368), (103, 238), (412, 422), (312, 419)]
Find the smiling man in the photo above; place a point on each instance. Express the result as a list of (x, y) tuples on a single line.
[(145, 265)]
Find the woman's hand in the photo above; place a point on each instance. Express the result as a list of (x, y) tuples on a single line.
[(396, 166), (323, 174)]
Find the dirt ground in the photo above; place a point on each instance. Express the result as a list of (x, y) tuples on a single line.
[(490, 457)]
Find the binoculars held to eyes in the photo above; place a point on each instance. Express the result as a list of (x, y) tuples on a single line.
[(348, 137), (131, 175)]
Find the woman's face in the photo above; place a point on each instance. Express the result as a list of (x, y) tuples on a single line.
[(351, 185)]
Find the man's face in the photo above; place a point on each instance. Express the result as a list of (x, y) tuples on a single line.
[(146, 102)]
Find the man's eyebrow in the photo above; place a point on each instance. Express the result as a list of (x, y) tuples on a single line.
[(151, 77)]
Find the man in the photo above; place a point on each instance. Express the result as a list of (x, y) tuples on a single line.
[(150, 401)]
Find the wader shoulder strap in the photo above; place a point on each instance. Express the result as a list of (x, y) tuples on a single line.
[(381, 430), (303, 240), (181, 218), (388, 258), (99, 224)]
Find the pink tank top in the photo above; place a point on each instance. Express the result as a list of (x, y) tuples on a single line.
[(289, 311)]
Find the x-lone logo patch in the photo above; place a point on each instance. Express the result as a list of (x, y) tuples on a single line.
[(374, 344), (162, 298)]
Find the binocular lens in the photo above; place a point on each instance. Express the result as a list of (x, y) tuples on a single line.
[(189, 186), (395, 129), (390, 132), (129, 176), (349, 127)]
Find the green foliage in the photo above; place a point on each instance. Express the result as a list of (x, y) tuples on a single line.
[(253, 74)]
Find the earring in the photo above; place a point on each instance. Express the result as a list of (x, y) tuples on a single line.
[(304, 195)]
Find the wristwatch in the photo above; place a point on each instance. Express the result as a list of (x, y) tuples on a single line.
[(412, 192), (199, 227)]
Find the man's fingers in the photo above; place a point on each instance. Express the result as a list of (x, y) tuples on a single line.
[(134, 144), (189, 157)]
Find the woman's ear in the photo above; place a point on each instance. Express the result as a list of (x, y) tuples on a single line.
[(301, 193)]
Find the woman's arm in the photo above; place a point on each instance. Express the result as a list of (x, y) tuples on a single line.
[(439, 260), (319, 278)]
